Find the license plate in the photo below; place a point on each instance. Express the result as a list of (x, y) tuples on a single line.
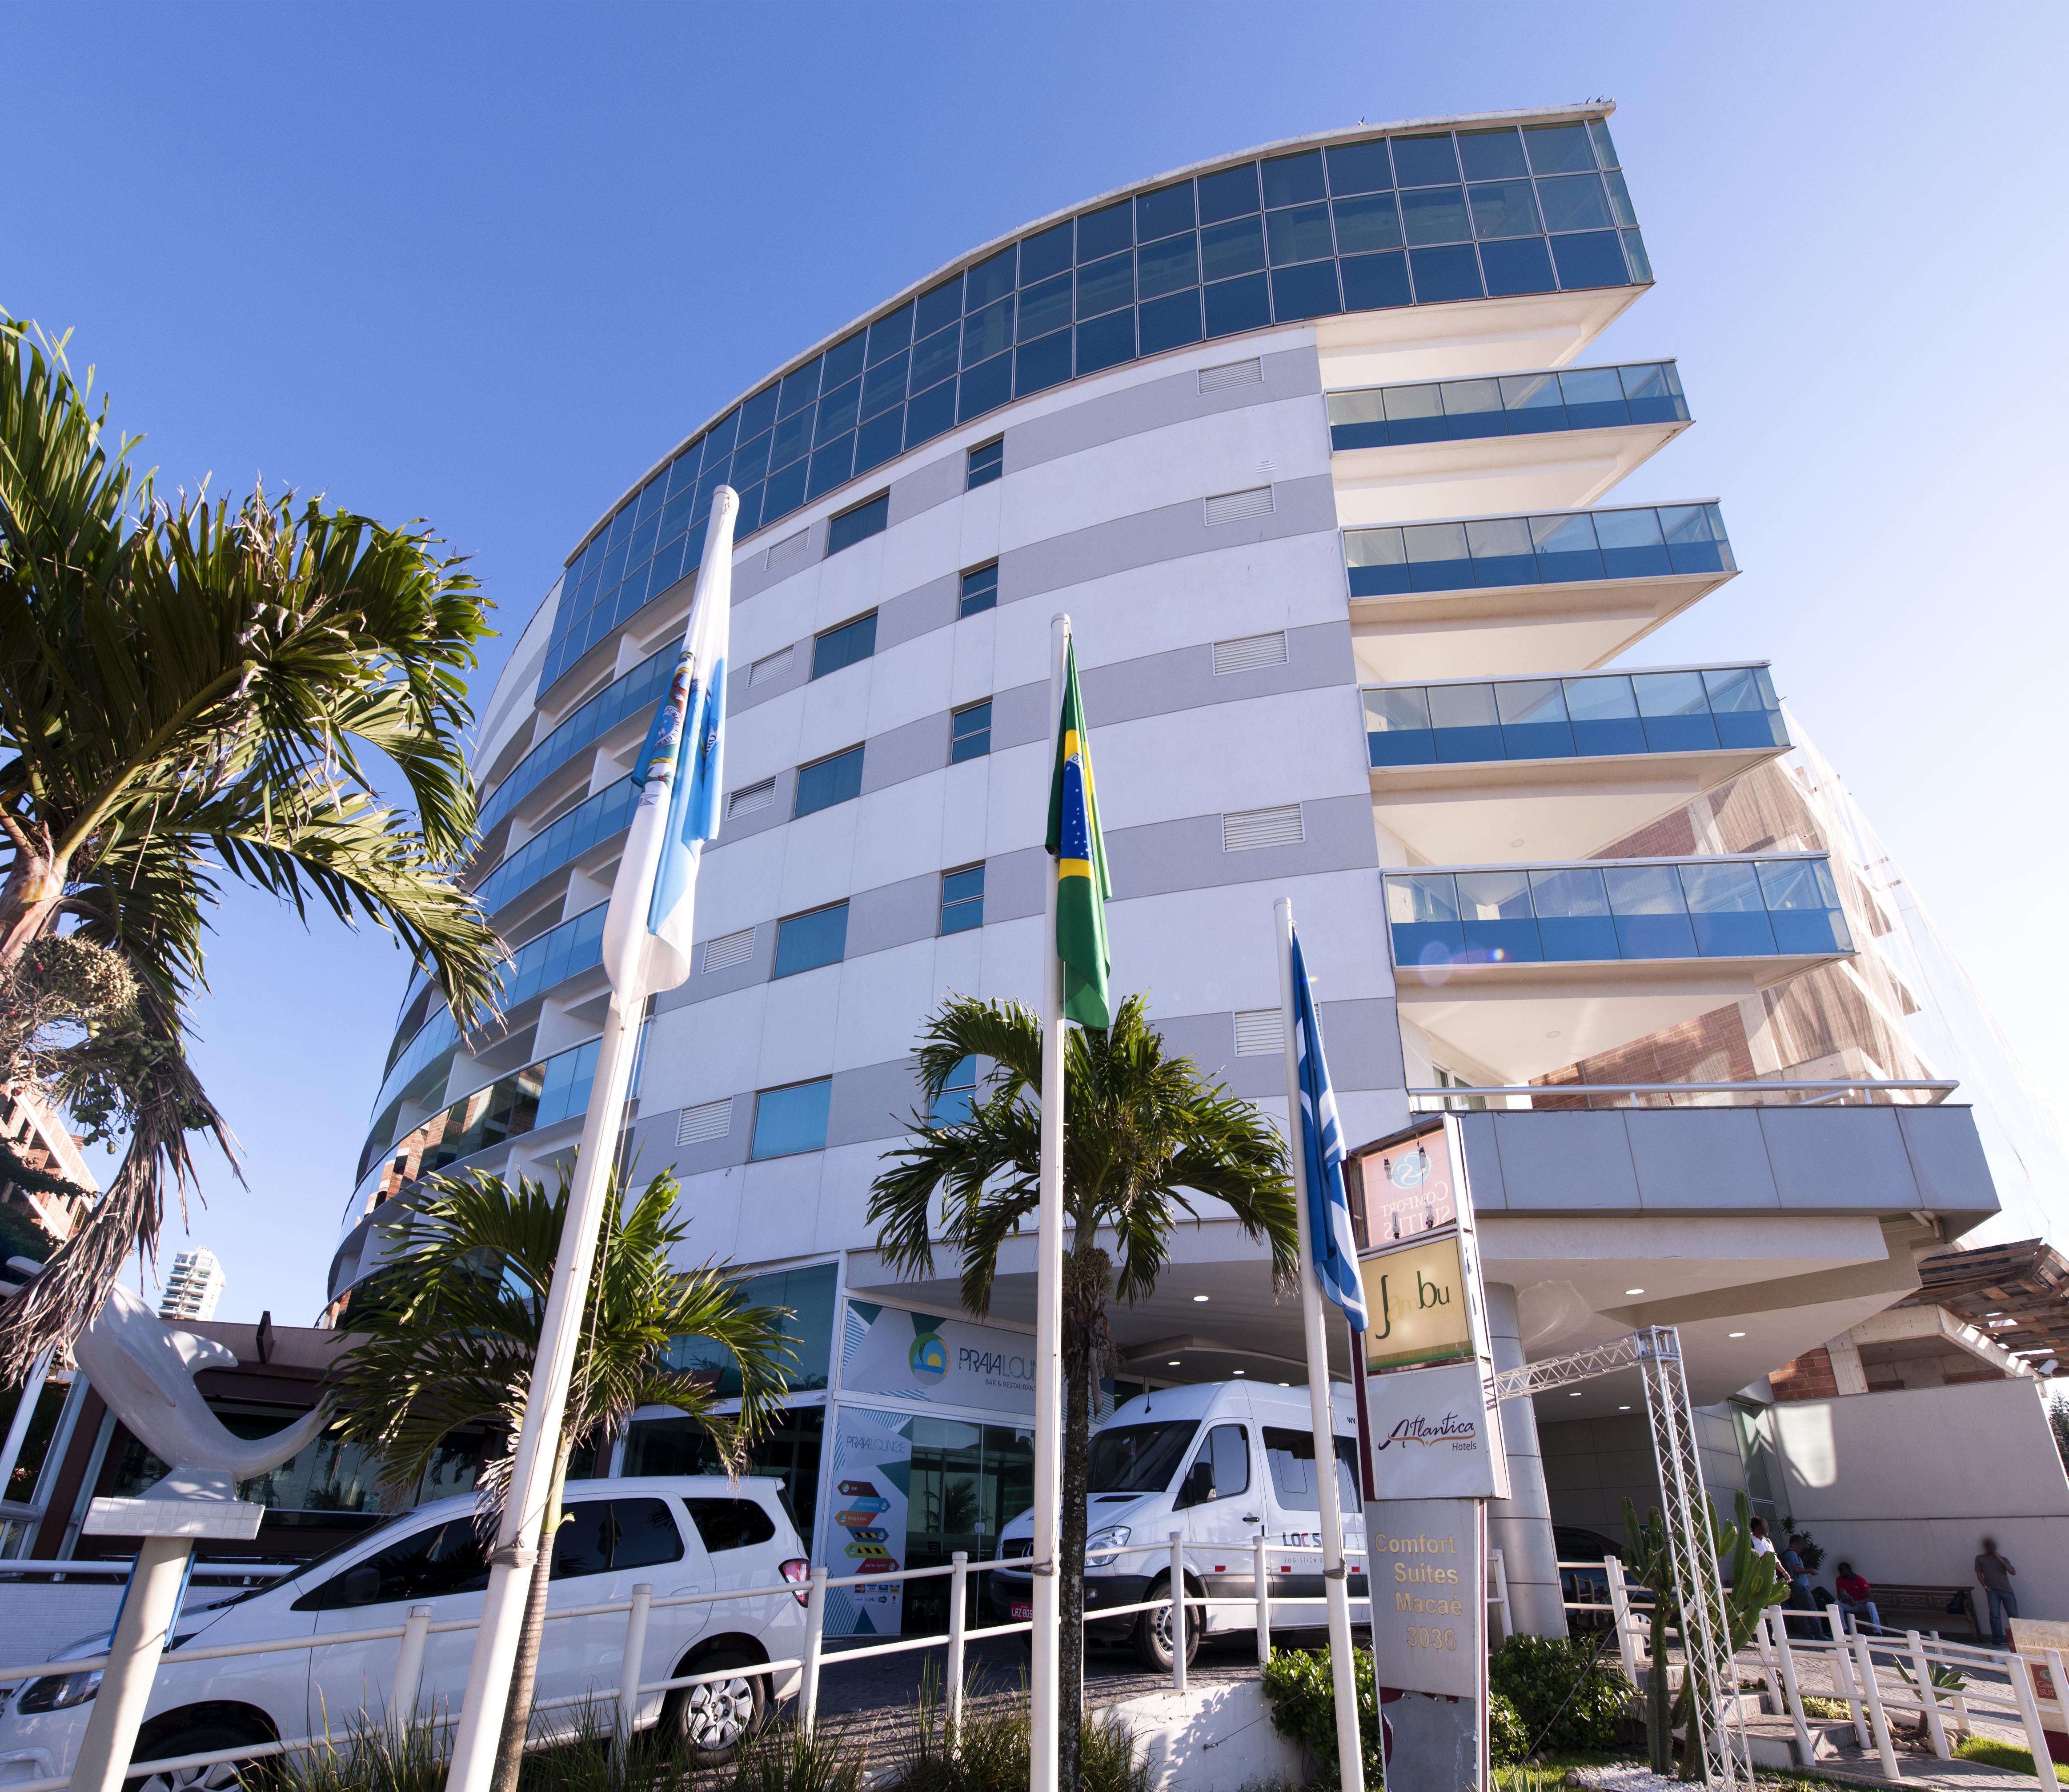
[(1022, 1613)]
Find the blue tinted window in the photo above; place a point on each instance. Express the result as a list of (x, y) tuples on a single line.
[(805, 941), (1620, 205), (838, 411), (1165, 267), (1230, 194), (1161, 213), (1045, 307), (1574, 202), (1103, 232), (985, 387), (1518, 265), (838, 780), (1039, 365), (1367, 223), (1048, 253), (1236, 247), (1292, 180), (790, 438), (1360, 167), (722, 434), (1106, 342), (940, 306), (1641, 263), (883, 385), (1491, 155), (1503, 209), (876, 442), (1443, 274), (845, 531), (843, 361), (962, 899), (800, 388), (1234, 305), (650, 495), (957, 1098), (1435, 214), (988, 332), (1558, 148), (851, 640), (1592, 259), (788, 1120), (1376, 282), (1598, 128), (980, 590), (1169, 323), (969, 733), (934, 358), (1105, 284), (888, 334), (758, 413), (751, 461), (987, 461), (1298, 234), (929, 413), (1309, 290), (1425, 161), (992, 278)]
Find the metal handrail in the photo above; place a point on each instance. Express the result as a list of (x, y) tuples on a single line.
[(1821, 1089)]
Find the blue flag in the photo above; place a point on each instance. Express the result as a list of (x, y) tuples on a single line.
[(1322, 1146)]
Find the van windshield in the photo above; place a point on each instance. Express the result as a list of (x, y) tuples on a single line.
[(1139, 1459)]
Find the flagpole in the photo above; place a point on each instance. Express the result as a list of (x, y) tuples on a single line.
[(1336, 1584), (628, 948), (1045, 1692)]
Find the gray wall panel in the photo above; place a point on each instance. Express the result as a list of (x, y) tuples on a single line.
[(893, 914), (742, 827), (1700, 1158), (701, 985), (1015, 884), (1019, 715), (910, 752), (872, 1103), (1486, 1176), (1947, 1159), (1168, 856), (753, 575), (925, 486), (742, 696), (1565, 1163), (1839, 1157), (1362, 1041), (1318, 658), (917, 611)]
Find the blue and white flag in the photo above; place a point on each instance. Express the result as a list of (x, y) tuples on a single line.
[(680, 773), (1322, 1145)]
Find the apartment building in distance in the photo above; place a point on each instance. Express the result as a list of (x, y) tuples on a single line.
[(1316, 446)]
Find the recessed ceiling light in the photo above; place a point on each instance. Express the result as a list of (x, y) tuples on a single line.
[(1172, 1364), (1286, 1384), (1553, 1034), (1623, 1409), (1633, 1291), (1238, 1371), (1734, 1334), (1516, 843), (1199, 1297), (1574, 1395)]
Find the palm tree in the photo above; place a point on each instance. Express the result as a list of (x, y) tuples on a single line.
[(185, 678), (1144, 1135), (448, 1330)]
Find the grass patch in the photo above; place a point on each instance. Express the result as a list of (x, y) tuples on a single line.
[(2003, 1755)]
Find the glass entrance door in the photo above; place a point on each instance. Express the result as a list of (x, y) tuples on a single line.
[(967, 1481)]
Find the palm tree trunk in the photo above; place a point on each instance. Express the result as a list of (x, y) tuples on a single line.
[(1071, 1563), (29, 898), (525, 1671)]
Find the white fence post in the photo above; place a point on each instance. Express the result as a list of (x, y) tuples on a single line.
[(409, 1670), (1177, 1611), (1620, 1616), (1262, 1589), (2020, 1676), (1792, 1696), (1498, 1595), (628, 1669), (958, 1582), (1878, 1718), (1842, 1673), (1929, 1699), (815, 1621)]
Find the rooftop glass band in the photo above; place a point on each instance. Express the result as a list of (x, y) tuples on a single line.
[(1704, 908), (1513, 404), (1565, 548), (1588, 717), (1429, 217), (640, 688)]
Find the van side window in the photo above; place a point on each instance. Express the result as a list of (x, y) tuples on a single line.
[(1292, 1456), (730, 1524), (447, 1559), (599, 1537)]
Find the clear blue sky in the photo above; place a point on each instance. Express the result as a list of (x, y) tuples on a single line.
[(482, 263)]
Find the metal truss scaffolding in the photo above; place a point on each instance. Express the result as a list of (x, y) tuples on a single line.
[(1698, 1585)]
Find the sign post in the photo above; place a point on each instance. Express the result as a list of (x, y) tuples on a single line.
[(1434, 1433)]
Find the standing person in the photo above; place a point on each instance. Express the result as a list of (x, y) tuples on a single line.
[(1994, 1573), (1762, 1543), (1799, 1576), (1855, 1597)]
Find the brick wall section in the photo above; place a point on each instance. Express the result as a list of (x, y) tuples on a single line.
[(1712, 1048), (1809, 1378), (1670, 836)]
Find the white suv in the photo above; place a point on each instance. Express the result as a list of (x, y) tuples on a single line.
[(679, 1534)]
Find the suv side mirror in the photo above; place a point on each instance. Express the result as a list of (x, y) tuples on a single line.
[(362, 1585), (1198, 1485)]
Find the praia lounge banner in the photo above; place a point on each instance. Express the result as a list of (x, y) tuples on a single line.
[(872, 1481), (935, 1359)]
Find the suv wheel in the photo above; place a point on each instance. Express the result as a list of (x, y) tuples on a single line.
[(1152, 1636), (205, 1738), (711, 1721)]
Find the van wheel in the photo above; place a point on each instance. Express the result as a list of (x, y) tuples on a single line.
[(1152, 1635), (709, 1722), (205, 1738)]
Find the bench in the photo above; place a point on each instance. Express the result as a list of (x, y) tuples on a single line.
[(1925, 1608)]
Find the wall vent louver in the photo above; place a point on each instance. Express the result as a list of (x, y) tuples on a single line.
[(1232, 373), (1239, 507), (787, 548), (1247, 653), (1257, 1032), (1251, 828), (755, 796), (728, 950), (711, 1120), (771, 666)]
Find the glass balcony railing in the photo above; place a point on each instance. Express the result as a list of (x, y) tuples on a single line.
[(606, 813), (539, 1095), (1517, 404), (1566, 548), (638, 691), (1602, 716), (1590, 913)]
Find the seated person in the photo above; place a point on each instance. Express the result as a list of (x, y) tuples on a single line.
[(1856, 1596)]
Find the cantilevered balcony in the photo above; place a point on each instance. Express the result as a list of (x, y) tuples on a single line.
[(1471, 770), (1526, 595), (1526, 441), (1523, 969)]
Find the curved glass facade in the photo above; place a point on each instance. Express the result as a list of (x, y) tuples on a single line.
[(644, 685), (598, 817), (1563, 547), (1426, 217), (1515, 403)]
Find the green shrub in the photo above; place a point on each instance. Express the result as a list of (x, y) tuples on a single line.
[(992, 1754), (1507, 1738), (1565, 1703), (1303, 1697)]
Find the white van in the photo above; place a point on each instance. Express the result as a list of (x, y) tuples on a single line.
[(679, 1534), (1218, 1461)]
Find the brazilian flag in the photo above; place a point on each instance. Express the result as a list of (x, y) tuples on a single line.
[(1083, 885)]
